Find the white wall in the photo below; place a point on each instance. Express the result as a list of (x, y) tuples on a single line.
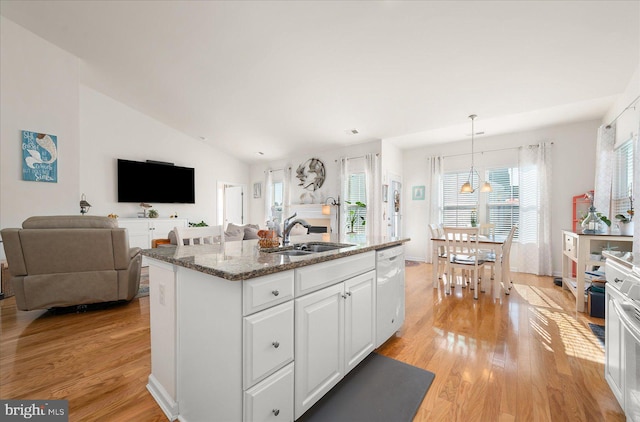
[(39, 86), (42, 92), (330, 188), (111, 130), (573, 160)]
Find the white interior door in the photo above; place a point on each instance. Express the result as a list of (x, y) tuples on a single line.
[(233, 204)]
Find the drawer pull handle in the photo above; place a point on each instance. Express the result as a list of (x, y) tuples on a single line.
[(348, 293), (344, 296), (276, 411), (618, 280), (275, 292), (276, 345)]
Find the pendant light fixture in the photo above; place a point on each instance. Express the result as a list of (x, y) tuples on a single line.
[(467, 187)]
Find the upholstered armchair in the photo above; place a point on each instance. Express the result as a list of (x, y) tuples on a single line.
[(59, 261)]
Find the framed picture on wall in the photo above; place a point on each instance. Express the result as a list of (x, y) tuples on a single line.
[(39, 157), (417, 193)]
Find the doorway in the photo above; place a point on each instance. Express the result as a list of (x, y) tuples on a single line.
[(231, 204)]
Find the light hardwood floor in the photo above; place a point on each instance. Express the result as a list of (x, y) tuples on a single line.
[(528, 358)]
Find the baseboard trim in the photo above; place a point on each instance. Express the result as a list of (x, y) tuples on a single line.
[(164, 400)]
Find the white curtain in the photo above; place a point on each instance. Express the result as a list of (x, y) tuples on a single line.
[(434, 196), (286, 193), (605, 161), (373, 194), (268, 194), (344, 189), (636, 189), (534, 232)]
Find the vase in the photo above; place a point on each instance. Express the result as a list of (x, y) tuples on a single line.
[(626, 229), (592, 224)]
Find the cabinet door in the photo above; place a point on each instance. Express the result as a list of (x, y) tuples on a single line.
[(319, 349), (360, 314), (160, 228), (138, 231), (614, 349)]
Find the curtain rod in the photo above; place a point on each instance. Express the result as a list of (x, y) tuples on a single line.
[(490, 150), (354, 158), (272, 170), (631, 105)]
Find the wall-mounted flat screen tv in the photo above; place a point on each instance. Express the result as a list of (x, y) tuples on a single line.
[(153, 182)]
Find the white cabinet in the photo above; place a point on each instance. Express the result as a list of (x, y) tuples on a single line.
[(614, 350), (263, 349), (143, 230), (335, 330), (577, 250), (319, 345), (360, 318)]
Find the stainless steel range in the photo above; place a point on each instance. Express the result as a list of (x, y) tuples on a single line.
[(622, 338)]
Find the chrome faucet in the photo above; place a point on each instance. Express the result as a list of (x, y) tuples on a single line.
[(288, 225)]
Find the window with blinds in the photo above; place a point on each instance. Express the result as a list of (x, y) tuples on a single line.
[(503, 204), (356, 192), (622, 179), (457, 207)]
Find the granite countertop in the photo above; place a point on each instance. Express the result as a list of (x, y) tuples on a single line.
[(243, 260)]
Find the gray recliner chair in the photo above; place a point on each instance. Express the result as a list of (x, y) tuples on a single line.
[(59, 261)]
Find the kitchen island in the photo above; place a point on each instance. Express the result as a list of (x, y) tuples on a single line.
[(237, 333)]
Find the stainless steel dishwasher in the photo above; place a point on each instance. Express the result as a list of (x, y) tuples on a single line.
[(390, 296)]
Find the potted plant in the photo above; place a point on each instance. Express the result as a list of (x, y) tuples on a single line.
[(474, 218), (626, 221), (153, 214), (353, 216)]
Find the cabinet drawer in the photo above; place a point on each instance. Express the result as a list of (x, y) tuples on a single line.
[(314, 277), (272, 399), (268, 342), (570, 245), (263, 292)]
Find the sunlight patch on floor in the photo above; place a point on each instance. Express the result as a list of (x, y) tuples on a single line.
[(536, 296)]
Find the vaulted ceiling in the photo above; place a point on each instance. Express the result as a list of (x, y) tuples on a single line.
[(285, 77)]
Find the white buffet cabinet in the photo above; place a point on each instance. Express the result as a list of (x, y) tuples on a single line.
[(577, 249), (142, 231), (266, 348)]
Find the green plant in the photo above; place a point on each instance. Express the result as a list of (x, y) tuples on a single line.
[(353, 216), (474, 218), (153, 214), (604, 219), (200, 224)]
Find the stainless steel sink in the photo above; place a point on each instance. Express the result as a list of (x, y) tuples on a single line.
[(293, 252), (308, 248), (320, 246)]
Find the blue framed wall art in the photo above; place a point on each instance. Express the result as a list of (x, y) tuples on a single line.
[(39, 157)]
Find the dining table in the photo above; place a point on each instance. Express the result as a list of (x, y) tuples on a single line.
[(493, 243)]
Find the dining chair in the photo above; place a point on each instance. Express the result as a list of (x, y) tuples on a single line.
[(489, 230), (506, 264), (463, 253), (212, 235), (437, 232), (507, 283)]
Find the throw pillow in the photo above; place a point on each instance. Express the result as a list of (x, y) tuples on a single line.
[(250, 233), (231, 236)]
